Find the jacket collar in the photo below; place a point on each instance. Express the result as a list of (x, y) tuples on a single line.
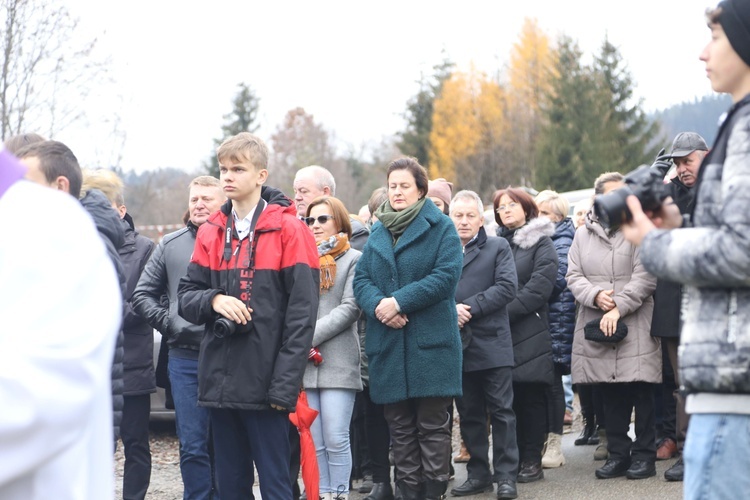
[(277, 204), (534, 230), (472, 249)]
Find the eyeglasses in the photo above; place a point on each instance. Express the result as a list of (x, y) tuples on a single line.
[(511, 206), (322, 219)]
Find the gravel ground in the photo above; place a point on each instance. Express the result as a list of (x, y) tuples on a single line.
[(166, 482)]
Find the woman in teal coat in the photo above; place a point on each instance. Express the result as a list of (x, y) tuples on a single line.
[(405, 283)]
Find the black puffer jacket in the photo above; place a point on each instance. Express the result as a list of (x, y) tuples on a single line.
[(113, 234), (536, 267), (138, 361), (562, 304)]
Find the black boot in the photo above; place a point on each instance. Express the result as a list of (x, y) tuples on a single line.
[(407, 493), (435, 490), (589, 430), (380, 491)]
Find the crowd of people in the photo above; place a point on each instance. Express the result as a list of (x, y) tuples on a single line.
[(387, 323)]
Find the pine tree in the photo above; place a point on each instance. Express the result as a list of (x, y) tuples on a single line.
[(242, 118), (628, 130), (593, 125), (415, 139), (564, 160)]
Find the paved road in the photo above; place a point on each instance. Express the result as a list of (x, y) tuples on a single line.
[(575, 481)]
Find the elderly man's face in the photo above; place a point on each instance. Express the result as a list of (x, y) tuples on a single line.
[(688, 166), (306, 190), (467, 218)]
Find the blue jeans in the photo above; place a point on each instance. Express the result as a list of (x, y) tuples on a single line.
[(192, 424), (568, 388), (716, 457), (330, 432)]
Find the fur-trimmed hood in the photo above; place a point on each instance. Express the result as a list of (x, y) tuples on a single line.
[(529, 235)]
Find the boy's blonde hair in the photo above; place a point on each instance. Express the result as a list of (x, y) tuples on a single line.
[(105, 181), (244, 147)]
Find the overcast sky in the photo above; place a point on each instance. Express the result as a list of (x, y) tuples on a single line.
[(352, 64)]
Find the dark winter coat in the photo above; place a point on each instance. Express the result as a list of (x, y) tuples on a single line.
[(421, 272), (488, 284), (360, 234), (113, 234), (712, 260), (254, 369), (162, 275), (562, 304), (138, 361), (536, 268), (666, 321)]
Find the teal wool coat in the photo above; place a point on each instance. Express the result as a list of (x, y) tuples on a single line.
[(421, 271)]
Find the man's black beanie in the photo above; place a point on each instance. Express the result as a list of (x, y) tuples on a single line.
[(735, 21)]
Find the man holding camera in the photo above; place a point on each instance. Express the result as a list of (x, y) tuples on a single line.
[(688, 151), (256, 265), (712, 260)]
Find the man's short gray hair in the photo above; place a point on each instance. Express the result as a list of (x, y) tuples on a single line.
[(323, 177), (206, 180), (468, 195)]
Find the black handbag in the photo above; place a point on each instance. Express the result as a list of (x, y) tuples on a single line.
[(593, 333)]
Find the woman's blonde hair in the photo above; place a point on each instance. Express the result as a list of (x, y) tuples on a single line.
[(559, 204), (105, 181)]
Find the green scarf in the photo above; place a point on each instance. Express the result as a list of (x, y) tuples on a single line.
[(397, 221)]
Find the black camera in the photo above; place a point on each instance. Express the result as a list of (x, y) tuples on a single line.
[(224, 327), (645, 182)]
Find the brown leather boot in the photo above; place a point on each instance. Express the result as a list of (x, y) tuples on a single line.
[(463, 455)]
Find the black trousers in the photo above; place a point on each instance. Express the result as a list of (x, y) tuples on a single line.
[(360, 453), (489, 392), (420, 433), (619, 401), (134, 434), (530, 407), (294, 461), (591, 403), (665, 409), (556, 402), (378, 439), (682, 419)]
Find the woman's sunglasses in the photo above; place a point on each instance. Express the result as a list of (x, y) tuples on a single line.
[(322, 219)]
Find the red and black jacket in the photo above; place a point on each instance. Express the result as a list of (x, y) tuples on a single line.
[(264, 366)]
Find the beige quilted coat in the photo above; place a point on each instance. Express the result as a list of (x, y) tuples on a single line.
[(600, 262)]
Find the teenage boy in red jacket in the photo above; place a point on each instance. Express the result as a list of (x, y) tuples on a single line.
[(254, 281)]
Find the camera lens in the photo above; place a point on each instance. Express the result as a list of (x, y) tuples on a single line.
[(224, 328), (611, 208)]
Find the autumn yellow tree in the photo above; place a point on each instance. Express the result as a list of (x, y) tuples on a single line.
[(469, 126), (455, 126), (530, 76)]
